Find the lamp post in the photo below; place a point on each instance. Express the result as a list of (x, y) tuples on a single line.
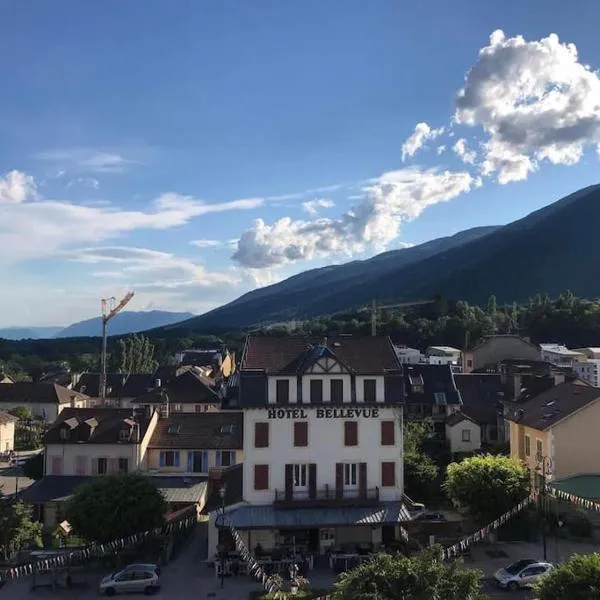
[(222, 491), (544, 468)]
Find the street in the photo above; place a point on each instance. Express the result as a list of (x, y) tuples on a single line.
[(494, 592)]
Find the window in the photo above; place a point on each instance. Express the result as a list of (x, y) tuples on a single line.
[(282, 391), (469, 363), (80, 465), (198, 408), (440, 398), (350, 475), (226, 429), (300, 477), (123, 465), (388, 474), (527, 446), (169, 458), (337, 391), (301, 434), (466, 435), (197, 461), (174, 428), (316, 391), (261, 435), (56, 465), (539, 448), (124, 434), (370, 390), (388, 437), (350, 433), (225, 458), (102, 466), (63, 433), (261, 477), (177, 407)]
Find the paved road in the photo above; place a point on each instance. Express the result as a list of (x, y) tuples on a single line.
[(494, 593)]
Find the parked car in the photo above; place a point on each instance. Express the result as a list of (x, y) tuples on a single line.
[(430, 517), (521, 574), (133, 578)]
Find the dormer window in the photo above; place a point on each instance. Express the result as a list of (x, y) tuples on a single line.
[(226, 429), (417, 388), (173, 428), (124, 434), (63, 433)]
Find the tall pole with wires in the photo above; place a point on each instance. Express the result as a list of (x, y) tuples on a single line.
[(544, 470)]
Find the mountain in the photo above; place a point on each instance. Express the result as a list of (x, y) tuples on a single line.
[(323, 290), (548, 251), (28, 333), (125, 322)]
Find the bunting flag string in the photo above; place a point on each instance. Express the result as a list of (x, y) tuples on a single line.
[(482, 533), (573, 499), (254, 567), (66, 559)]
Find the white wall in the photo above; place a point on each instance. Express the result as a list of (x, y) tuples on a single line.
[(325, 448), (7, 437), (454, 436), (48, 410), (69, 451)]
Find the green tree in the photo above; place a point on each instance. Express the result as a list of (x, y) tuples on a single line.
[(576, 579), (487, 486), (492, 306), (420, 577), (18, 528), (420, 471), (115, 506), (135, 354), (34, 466), (23, 413)]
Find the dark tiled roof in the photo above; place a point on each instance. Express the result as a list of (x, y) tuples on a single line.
[(481, 396), (289, 355), (61, 488), (62, 378), (202, 358), (106, 425), (50, 393), (200, 431), (188, 388), (436, 381), (458, 417), (233, 478), (136, 384), (118, 385), (553, 405), (165, 374), (7, 418)]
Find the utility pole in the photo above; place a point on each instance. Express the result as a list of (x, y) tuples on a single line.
[(544, 465), (108, 312)]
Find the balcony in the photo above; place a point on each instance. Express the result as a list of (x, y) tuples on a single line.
[(326, 497)]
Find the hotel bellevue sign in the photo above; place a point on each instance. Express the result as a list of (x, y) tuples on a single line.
[(324, 413)]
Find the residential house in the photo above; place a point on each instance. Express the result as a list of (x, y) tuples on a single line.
[(216, 362), (5, 378), (64, 378), (589, 352), (588, 370), (430, 392), (7, 432), (561, 424), (409, 356), (188, 443), (560, 355), (121, 388), (482, 398), (496, 348), (45, 400), (462, 433), (443, 355), (322, 443)]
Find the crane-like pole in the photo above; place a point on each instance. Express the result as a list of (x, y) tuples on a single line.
[(109, 310)]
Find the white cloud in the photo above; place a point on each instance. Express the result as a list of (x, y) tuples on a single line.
[(312, 206), (535, 102), (371, 224), (16, 188), (85, 159), (422, 134), (89, 182), (461, 149), (206, 243), (440, 149)]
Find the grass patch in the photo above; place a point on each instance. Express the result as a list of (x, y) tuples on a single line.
[(301, 595)]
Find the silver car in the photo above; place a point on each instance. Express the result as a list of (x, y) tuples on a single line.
[(521, 574), (134, 578)]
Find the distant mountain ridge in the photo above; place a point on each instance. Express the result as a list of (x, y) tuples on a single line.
[(28, 333), (548, 251)]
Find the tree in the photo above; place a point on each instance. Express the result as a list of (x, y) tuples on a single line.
[(492, 306), (420, 577), (420, 471), (115, 506), (18, 528), (576, 579), (23, 413), (34, 466), (487, 486), (135, 354)]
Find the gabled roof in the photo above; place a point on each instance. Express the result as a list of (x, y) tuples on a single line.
[(435, 381), (233, 479), (287, 355), (548, 408), (189, 387), (458, 417), (44, 393), (102, 424), (6, 418), (504, 336), (200, 431), (481, 395), (118, 385)]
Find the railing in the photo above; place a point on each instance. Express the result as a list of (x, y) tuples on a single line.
[(328, 496)]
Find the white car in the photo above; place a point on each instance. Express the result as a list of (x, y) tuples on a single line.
[(521, 574), (133, 578)]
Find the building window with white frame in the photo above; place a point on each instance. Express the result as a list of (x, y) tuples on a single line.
[(300, 477), (350, 476), (466, 435)]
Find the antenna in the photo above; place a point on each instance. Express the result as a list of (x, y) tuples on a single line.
[(109, 310)]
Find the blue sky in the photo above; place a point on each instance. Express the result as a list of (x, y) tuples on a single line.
[(193, 150)]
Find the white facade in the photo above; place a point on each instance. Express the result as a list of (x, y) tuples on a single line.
[(464, 436), (325, 448), (588, 370), (7, 436), (560, 355), (409, 356)]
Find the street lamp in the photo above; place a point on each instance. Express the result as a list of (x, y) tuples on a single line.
[(222, 491), (544, 465)]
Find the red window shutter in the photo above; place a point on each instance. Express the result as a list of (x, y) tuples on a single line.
[(261, 435), (388, 434), (312, 481), (362, 480), (350, 433), (339, 480), (388, 474), (300, 434), (261, 477), (289, 482)]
